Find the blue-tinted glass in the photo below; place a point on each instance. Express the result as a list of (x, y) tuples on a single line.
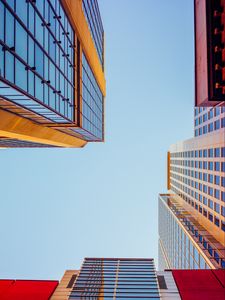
[(1, 21), (210, 178), (31, 83), (52, 99), (1, 62), (217, 166), (38, 89), (9, 71), (52, 74), (210, 204), (216, 194), (223, 151), (31, 19), (223, 122), (40, 6), (21, 42), (21, 10), (39, 32), (223, 196), (39, 60), (9, 29), (223, 211), (31, 52), (21, 75), (217, 124), (223, 181), (217, 152), (11, 3), (217, 207), (51, 47), (217, 179)]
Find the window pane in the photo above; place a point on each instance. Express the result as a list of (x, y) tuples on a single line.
[(21, 75)]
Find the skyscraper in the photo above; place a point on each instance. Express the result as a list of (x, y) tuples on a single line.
[(192, 213), (52, 83)]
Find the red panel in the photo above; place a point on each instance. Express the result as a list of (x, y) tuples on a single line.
[(199, 284), (220, 274), (27, 289)]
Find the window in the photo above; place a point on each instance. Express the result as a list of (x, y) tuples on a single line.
[(223, 196), (210, 153), (217, 207), (223, 211), (204, 188), (223, 122), (210, 127), (210, 191), (217, 152), (210, 165), (223, 181), (216, 194), (210, 204), (205, 153), (217, 125), (223, 166), (205, 176), (210, 114), (216, 221), (54, 86), (223, 152), (210, 178), (205, 117), (216, 166), (223, 227), (210, 217), (216, 179)]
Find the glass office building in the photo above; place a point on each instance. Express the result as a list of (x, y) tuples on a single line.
[(49, 73), (116, 278), (184, 243), (195, 204)]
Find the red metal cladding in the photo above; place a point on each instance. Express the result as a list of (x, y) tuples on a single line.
[(220, 274), (209, 52), (27, 289), (200, 284)]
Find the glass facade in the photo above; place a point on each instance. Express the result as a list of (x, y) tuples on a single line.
[(14, 143), (37, 58), (209, 119), (184, 243), (197, 176), (92, 15), (116, 278), (92, 112), (44, 73)]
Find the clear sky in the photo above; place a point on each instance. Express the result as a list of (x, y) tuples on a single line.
[(60, 205)]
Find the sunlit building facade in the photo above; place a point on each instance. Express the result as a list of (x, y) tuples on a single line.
[(120, 278), (52, 83), (194, 207), (116, 278)]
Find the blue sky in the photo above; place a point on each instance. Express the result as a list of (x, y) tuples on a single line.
[(60, 205)]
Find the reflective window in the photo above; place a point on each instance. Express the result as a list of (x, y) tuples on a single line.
[(92, 15), (44, 70)]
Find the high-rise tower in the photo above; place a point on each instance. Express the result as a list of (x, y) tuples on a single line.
[(192, 212)]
